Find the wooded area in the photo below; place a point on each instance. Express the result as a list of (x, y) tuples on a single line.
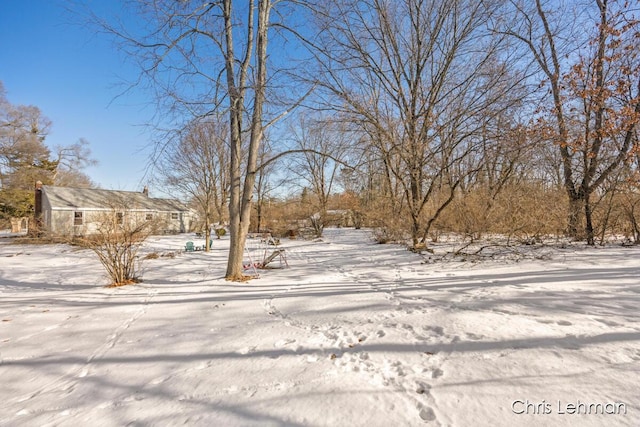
[(416, 117), (413, 117)]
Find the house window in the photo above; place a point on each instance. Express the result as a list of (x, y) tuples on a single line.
[(148, 217), (174, 215), (120, 218), (77, 218)]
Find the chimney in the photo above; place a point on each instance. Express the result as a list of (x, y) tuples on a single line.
[(145, 191)]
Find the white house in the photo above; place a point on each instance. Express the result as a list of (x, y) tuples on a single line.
[(78, 211)]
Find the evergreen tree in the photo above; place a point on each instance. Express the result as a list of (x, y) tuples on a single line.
[(25, 159)]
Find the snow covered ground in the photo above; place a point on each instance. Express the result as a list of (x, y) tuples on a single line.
[(352, 334)]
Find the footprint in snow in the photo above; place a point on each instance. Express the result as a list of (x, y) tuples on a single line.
[(427, 414), (422, 388), (437, 373), (473, 336), (438, 330)]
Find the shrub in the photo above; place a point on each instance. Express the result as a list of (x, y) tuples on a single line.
[(118, 238)]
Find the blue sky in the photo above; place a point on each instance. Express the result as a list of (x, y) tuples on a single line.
[(51, 59)]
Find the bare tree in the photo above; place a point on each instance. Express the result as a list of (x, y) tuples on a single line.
[(419, 78), (594, 84), (242, 185), (264, 184), (322, 145), (630, 198), (195, 167), (505, 163), (70, 161)]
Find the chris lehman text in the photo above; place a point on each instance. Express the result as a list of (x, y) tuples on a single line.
[(526, 407)]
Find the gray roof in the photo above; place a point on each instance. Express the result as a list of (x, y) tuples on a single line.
[(91, 198)]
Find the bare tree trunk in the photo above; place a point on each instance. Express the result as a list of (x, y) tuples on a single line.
[(236, 97), (589, 234), (574, 218), (242, 189), (207, 232)]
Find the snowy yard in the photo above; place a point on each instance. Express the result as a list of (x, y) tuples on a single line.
[(352, 334)]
